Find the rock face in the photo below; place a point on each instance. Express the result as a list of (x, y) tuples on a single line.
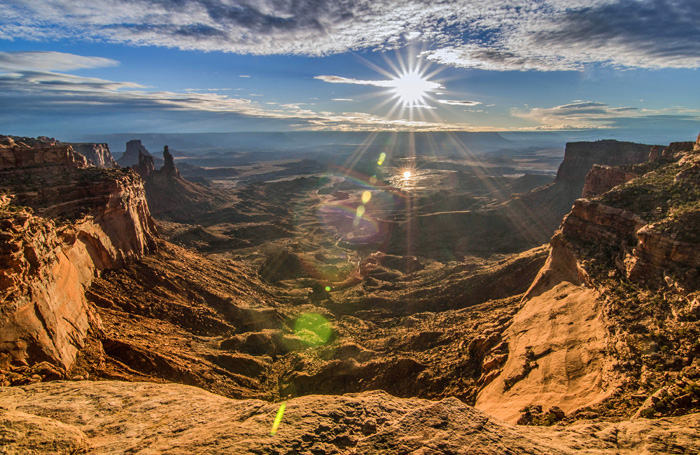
[(108, 418), (556, 345), (581, 156), (62, 224), (645, 231), (550, 203), (131, 155), (96, 154), (601, 179)]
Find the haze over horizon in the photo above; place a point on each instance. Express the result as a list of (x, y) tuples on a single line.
[(620, 68)]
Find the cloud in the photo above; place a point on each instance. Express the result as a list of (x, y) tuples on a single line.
[(342, 99), (561, 37), (459, 102), (50, 61), (349, 80), (497, 35), (56, 96), (592, 115)]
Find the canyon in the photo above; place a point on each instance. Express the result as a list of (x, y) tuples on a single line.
[(142, 311)]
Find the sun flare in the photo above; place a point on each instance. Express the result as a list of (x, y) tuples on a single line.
[(412, 87), (406, 175)]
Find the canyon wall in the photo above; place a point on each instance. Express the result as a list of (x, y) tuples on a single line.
[(580, 157), (550, 203), (62, 222), (638, 224), (96, 154)]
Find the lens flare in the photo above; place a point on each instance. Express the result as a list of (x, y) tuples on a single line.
[(366, 196), (406, 175), (278, 418), (313, 329)]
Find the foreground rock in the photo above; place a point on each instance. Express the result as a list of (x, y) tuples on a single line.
[(110, 418)]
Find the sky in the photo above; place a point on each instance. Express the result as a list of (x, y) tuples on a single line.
[(624, 67)]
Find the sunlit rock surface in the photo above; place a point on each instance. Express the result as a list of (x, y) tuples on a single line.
[(96, 154), (116, 417), (63, 223)]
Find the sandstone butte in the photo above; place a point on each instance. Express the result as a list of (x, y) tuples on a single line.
[(585, 336)]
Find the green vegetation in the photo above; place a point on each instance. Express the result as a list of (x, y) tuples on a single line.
[(658, 194)]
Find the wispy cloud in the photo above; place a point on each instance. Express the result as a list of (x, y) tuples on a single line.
[(349, 80), (496, 35), (39, 93), (591, 115), (50, 61), (465, 103)]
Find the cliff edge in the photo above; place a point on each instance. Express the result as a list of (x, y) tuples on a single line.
[(62, 222), (612, 319)]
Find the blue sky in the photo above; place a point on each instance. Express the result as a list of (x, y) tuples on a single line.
[(106, 66)]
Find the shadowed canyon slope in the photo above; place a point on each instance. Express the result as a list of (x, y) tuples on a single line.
[(277, 292)]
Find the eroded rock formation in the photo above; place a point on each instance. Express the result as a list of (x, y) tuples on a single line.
[(598, 293), (62, 224), (145, 166), (96, 154), (171, 196), (24, 152), (131, 155)]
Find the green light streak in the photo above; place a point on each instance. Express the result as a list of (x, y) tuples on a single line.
[(278, 418)]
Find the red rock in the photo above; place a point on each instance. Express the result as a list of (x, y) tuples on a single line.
[(601, 179), (45, 265)]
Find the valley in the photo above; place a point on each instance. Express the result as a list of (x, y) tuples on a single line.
[(359, 291)]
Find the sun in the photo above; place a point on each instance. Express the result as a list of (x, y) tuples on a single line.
[(406, 175), (412, 87)]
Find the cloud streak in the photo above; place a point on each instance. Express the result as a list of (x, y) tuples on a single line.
[(592, 115), (464, 103), (352, 81), (47, 93), (50, 61), (497, 35)]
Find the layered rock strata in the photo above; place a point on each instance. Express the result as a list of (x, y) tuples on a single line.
[(62, 223), (601, 179), (96, 154), (637, 229)]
